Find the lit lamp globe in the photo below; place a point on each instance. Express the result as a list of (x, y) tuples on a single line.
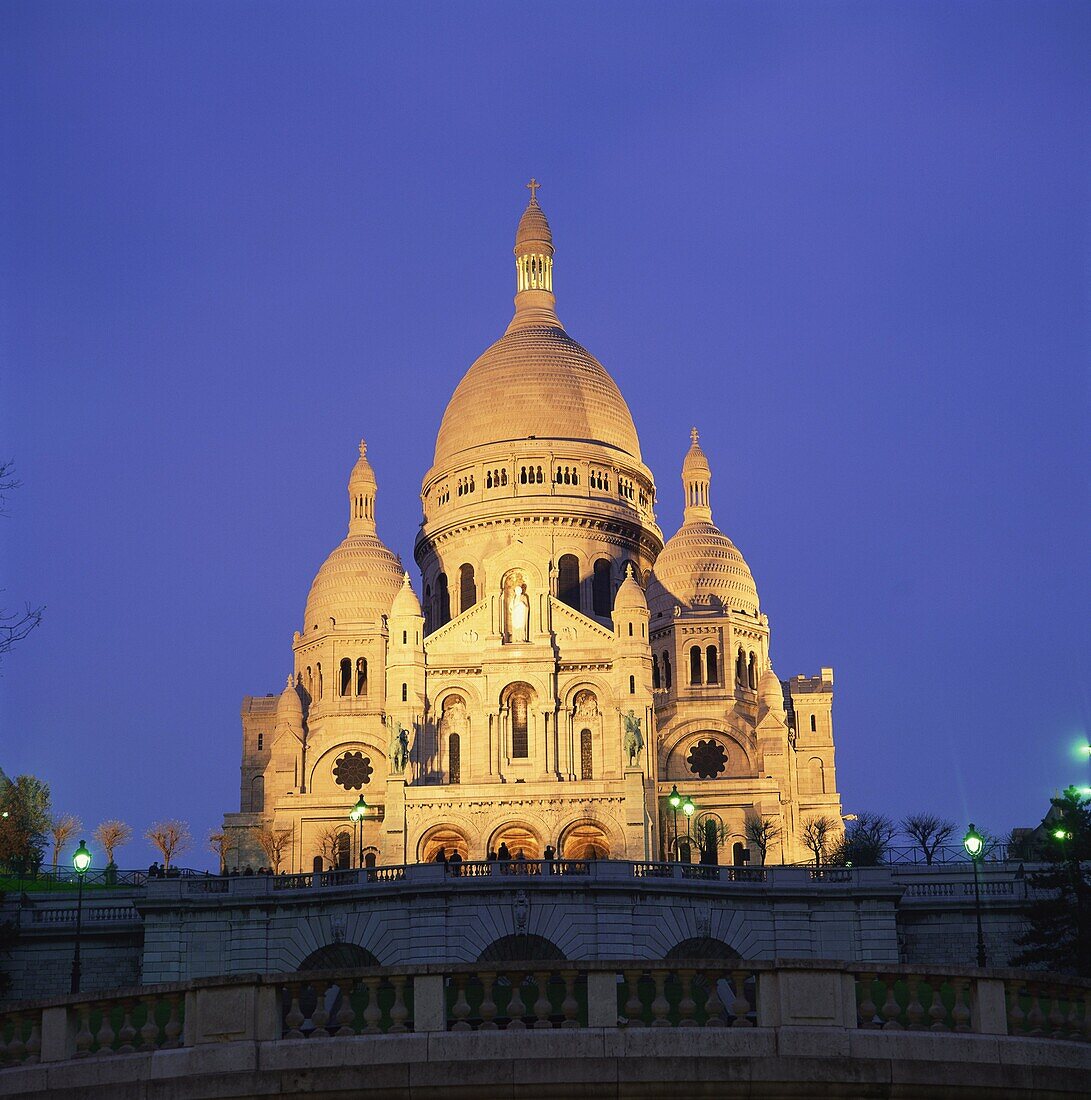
[(357, 811), (674, 798), (973, 842), (1062, 834), (81, 858), (688, 807)]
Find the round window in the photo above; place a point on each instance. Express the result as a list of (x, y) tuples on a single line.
[(353, 770), (707, 759)]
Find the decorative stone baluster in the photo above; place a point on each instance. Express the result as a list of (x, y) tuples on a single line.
[(1056, 1015), (399, 1010), (660, 1004), (320, 1016), (84, 1038), (105, 1035), (962, 1004), (293, 1021), (149, 1030), (1087, 1017), (372, 1013), (542, 1008), (865, 1005), (172, 1030), (17, 1049), (687, 1007), (346, 1014), (740, 1008), (634, 1008), (127, 1032), (891, 1010), (516, 1009), (715, 1012), (1073, 1030), (34, 1041), (937, 1011), (914, 1010), (1035, 1017), (1017, 1018), (488, 1004), (461, 1007), (570, 1007)]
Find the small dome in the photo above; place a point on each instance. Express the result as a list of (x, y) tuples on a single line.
[(533, 229), (405, 602), (696, 462), (357, 583), (771, 692), (630, 596), (700, 569), (290, 708), (362, 476)]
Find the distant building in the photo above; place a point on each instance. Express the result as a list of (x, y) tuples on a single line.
[(564, 670)]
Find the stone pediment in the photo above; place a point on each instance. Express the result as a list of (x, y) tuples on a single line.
[(464, 633), (569, 626)]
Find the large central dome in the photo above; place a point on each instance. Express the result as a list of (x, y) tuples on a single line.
[(535, 382)]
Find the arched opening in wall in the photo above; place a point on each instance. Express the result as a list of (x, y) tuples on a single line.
[(338, 956), (344, 851), (712, 666), (522, 948), (740, 854), (710, 839), (702, 947), (814, 725), (518, 698), (568, 580), (369, 859), (655, 672), (667, 671), (812, 778), (518, 838), (602, 598), (467, 588), (752, 671), (585, 841), (443, 601), (346, 676), (257, 794), (695, 664), (685, 853), (740, 668), (632, 685), (454, 759), (361, 676), (318, 865), (587, 769), (310, 683), (318, 670), (446, 837), (516, 599)]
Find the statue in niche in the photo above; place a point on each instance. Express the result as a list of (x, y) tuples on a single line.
[(587, 706), (634, 739), (397, 752), (454, 715), (516, 609)]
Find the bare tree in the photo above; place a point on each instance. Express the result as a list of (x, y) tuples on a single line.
[(328, 843), (171, 837), (928, 832), (16, 626), (865, 843), (112, 834), (761, 831), (220, 844), (62, 828), (818, 833), (274, 842)]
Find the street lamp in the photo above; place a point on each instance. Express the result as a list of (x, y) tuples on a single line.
[(81, 860), (356, 816), (974, 843), (675, 800), (688, 808)]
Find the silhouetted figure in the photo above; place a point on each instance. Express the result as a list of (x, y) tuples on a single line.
[(549, 853), (503, 854), (249, 870), (455, 862), (441, 855), (491, 857)]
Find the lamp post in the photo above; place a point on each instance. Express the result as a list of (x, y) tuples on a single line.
[(675, 800), (81, 860), (356, 815), (688, 808), (974, 843)]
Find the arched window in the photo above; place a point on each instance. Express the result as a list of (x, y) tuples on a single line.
[(519, 738), (740, 668), (814, 725), (257, 794), (488, 479), (632, 685), (712, 670), (740, 857), (454, 758), (346, 676), (522, 475), (695, 664), (667, 671), (630, 630), (568, 580), (586, 760), (601, 596), (405, 693), (541, 480), (310, 683), (344, 851), (361, 676), (443, 601), (467, 588), (318, 670), (405, 637), (261, 741), (752, 671), (812, 777), (655, 671), (369, 859)]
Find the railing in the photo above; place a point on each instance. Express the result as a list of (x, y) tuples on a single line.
[(90, 913), (497, 867), (536, 995)]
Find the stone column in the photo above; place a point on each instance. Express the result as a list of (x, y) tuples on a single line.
[(394, 834)]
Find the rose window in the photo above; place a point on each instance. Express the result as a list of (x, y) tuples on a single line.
[(353, 770), (707, 759)]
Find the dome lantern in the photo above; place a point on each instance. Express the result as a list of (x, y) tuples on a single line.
[(534, 301), (362, 489), (696, 477)]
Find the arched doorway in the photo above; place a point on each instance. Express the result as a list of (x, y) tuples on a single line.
[(585, 841), (518, 838), (334, 956), (522, 948), (447, 837)]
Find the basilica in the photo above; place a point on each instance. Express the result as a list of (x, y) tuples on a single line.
[(563, 681)]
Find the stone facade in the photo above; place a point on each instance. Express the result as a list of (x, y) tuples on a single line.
[(564, 669)]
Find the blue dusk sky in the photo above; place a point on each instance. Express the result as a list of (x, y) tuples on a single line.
[(848, 241)]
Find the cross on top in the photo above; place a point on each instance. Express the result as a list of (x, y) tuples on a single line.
[(533, 186)]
